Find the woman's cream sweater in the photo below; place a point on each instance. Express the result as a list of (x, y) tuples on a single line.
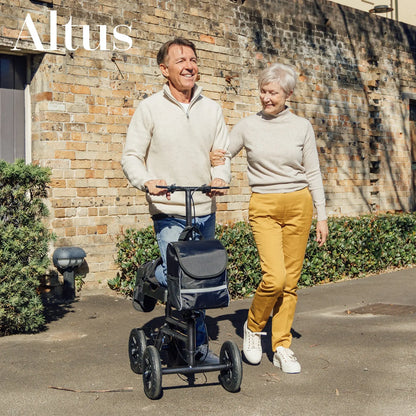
[(281, 155)]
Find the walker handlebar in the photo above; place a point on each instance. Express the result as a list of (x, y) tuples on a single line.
[(189, 190), (203, 188)]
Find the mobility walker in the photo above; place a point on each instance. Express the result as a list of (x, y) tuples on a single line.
[(197, 280)]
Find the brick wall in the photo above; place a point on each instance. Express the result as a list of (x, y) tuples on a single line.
[(356, 73)]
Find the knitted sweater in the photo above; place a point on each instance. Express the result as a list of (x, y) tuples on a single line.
[(166, 142), (281, 155)]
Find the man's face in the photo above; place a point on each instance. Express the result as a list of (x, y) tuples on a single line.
[(180, 68)]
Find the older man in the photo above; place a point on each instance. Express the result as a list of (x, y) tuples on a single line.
[(168, 141)]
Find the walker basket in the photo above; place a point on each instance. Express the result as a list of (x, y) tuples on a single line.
[(197, 275)]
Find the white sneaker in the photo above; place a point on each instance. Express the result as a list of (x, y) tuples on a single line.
[(204, 356), (252, 345), (285, 359)]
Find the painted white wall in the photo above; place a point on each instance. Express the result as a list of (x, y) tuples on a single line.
[(406, 9)]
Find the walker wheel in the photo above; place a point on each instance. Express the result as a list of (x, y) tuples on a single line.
[(231, 377), (137, 345), (152, 373)]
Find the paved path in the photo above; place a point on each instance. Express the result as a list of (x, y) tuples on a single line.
[(352, 363)]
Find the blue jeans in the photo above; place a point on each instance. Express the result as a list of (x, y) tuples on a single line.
[(167, 230)]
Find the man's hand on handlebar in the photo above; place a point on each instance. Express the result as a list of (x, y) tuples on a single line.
[(217, 182), (159, 187), (153, 190)]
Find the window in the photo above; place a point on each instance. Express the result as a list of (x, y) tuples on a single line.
[(12, 107)]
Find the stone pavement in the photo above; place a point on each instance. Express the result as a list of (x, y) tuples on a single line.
[(356, 341)]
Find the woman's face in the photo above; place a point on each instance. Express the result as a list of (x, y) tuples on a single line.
[(273, 98)]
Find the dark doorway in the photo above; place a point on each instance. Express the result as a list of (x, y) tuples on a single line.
[(412, 129), (12, 107)]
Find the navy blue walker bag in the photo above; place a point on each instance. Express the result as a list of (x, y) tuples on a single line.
[(197, 274)]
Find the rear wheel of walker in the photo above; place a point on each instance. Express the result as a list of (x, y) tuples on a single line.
[(231, 377), (137, 345), (152, 373)]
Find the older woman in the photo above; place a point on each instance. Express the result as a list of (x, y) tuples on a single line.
[(285, 178)]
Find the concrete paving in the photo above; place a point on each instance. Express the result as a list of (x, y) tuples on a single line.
[(356, 341)]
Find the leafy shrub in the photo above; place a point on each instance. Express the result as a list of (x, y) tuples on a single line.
[(23, 246), (356, 246), (360, 246), (244, 272), (135, 248)]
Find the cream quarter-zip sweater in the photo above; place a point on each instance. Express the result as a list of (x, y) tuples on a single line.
[(166, 142), (281, 155)]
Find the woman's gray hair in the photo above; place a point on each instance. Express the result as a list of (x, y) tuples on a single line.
[(284, 75)]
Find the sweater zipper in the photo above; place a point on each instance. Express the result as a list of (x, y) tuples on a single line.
[(174, 100)]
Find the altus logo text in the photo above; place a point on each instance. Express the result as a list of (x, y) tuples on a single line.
[(120, 41)]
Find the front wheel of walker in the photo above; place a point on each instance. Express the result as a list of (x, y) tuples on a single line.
[(152, 373), (231, 377)]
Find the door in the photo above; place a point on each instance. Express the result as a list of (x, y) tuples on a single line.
[(12, 107)]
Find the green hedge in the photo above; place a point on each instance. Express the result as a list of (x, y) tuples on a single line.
[(135, 247), (24, 244), (361, 246), (356, 247)]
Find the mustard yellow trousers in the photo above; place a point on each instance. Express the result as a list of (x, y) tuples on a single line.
[(281, 225)]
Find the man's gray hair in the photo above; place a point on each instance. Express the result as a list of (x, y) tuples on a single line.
[(283, 74)]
